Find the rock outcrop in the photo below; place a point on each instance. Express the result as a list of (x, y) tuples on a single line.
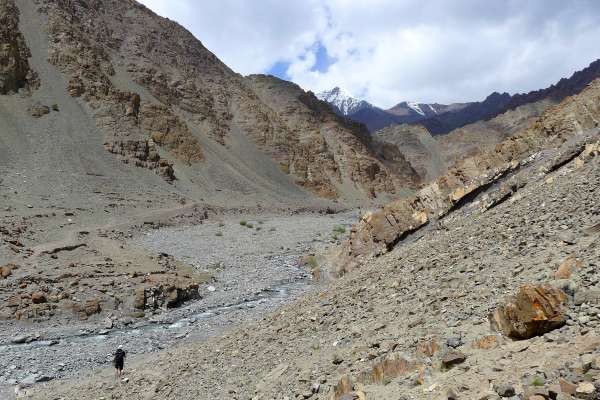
[(15, 72), (165, 292)]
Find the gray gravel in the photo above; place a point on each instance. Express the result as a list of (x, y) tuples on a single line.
[(256, 270)]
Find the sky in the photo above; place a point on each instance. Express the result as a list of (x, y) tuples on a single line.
[(388, 51)]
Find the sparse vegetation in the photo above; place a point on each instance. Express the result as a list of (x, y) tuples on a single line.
[(55, 107), (339, 229), (219, 234), (538, 381), (221, 224), (312, 262), (243, 222), (249, 225)]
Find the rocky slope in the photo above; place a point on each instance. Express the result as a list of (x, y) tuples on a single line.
[(421, 150), (321, 145), (15, 72)]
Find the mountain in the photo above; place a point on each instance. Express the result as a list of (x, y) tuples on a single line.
[(431, 156), (498, 103), (518, 112), (342, 102), (420, 149), (440, 119), (376, 118), (159, 100), (493, 105)]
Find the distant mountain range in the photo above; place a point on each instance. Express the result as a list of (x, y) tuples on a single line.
[(440, 119), (375, 118)]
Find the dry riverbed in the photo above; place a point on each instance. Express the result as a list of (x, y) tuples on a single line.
[(256, 268)]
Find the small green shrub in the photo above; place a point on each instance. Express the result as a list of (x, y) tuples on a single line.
[(249, 225), (312, 262), (340, 229), (221, 224), (219, 234), (243, 223), (538, 381)]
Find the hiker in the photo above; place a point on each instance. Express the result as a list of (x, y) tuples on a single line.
[(119, 361)]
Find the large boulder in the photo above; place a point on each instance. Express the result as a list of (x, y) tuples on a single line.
[(533, 311)]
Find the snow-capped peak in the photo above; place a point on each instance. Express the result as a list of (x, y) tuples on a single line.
[(342, 100), (415, 107)]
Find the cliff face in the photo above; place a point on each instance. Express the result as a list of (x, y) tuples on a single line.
[(151, 86), (15, 72), (573, 120)]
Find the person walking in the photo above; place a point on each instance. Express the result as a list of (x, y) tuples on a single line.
[(119, 361)]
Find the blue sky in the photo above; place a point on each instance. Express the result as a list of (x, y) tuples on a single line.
[(387, 51), (321, 63)]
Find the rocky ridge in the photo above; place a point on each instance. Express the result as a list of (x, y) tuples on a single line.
[(378, 232)]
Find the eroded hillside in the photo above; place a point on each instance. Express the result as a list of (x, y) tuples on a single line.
[(148, 82)]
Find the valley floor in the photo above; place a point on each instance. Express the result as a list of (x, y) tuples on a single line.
[(252, 262)]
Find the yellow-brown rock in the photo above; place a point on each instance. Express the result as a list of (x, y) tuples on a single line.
[(566, 269), (533, 311)]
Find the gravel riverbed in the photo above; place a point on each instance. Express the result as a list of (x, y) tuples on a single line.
[(254, 260)]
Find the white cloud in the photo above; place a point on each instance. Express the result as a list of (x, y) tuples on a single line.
[(249, 36), (394, 50)]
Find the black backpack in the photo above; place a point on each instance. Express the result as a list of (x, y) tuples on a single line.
[(119, 356)]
